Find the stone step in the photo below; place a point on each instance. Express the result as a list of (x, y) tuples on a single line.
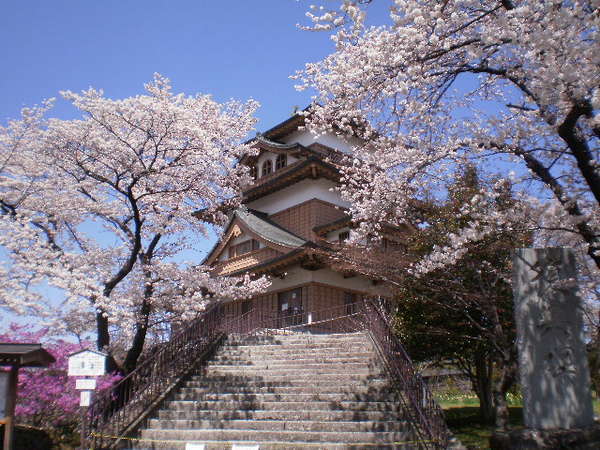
[(294, 350), (289, 379), (272, 445), (272, 397), (362, 358), (314, 405), (278, 425), (291, 363), (305, 389), (306, 342), (285, 391), (297, 337), (211, 380), (317, 369), (304, 347), (280, 436), (261, 414)]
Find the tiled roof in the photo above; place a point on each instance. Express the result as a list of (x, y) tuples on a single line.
[(25, 355), (261, 139), (291, 174), (268, 230)]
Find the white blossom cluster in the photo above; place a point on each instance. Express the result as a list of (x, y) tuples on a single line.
[(98, 207), (512, 86)]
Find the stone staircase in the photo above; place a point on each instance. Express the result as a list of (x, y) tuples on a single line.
[(292, 391)]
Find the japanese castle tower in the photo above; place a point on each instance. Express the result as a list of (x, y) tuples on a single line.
[(289, 214)]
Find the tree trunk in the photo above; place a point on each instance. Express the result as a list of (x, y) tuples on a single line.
[(139, 339), (504, 379), (103, 341), (482, 385)]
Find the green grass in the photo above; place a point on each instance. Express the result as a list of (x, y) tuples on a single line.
[(466, 425), (462, 416)]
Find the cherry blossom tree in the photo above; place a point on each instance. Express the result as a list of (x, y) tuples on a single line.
[(510, 85), (100, 206), (457, 314)]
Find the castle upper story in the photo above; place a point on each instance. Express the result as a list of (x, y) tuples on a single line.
[(291, 206)]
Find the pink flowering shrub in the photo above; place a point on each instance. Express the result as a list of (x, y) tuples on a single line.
[(47, 397)]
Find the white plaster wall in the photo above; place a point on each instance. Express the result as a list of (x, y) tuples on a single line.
[(241, 238), (302, 191), (304, 137), (296, 276), (335, 235)]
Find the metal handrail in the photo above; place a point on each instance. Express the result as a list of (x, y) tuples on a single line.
[(342, 318), (119, 410), (116, 411), (426, 415)]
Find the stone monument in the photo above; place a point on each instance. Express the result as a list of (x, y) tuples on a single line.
[(550, 336), (553, 367)]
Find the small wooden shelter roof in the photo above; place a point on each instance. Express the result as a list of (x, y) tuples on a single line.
[(24, 355)]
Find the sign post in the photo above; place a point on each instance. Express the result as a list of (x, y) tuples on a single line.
[(86, 363), (9, 406), (4, 376)]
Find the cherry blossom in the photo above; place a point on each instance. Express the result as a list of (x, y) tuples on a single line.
[(510, 85), (100, 207)]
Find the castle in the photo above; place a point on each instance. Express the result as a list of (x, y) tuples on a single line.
[(290, 215)]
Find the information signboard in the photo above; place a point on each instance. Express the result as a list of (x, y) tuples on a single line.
[(87, 363), (86, 384)]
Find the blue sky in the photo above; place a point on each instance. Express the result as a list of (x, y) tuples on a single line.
[(230, 49)]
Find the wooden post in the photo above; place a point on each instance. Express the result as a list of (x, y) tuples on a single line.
[(82, 435), (11, 402)]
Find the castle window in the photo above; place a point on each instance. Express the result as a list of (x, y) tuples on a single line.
[(243, 247), (254, 172), (246, 306), (267, 167), (350, 302), (280, 162)]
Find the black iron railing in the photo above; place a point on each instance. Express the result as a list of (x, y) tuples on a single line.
[(117, 411), (425, 413), (336, 319)]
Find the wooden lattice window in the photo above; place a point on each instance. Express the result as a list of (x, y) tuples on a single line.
[(254, 172), (243, 247), (246, 306), (280, 162), (350, 300), (343, 236), (267, 167)]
